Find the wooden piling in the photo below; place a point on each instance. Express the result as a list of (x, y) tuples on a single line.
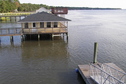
[(15, 18), (67, 36), (95, 52), (0, 40), (11, 38), (10, 19), (52, 36), (38, 36), (22, 37)]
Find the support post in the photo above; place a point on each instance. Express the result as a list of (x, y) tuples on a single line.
[(52, 36), (11, 38), (95, 52), (30, 36), (15, 19), (67, 36), (0, 40), (10, 18), (38, 36), (22, 38), (6, 19), (20, 17)]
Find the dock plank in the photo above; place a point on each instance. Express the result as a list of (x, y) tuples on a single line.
[(84, 71)]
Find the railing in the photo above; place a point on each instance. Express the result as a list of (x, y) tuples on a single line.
[(115, 72), (15, 14), (20, 31), (43, 30), (105, 74), (10, 31)]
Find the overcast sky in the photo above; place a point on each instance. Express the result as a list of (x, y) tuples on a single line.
[(81, 3)]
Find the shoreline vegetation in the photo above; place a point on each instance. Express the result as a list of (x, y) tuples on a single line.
[(90, 8), (16, 6)]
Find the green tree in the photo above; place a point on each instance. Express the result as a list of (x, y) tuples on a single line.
[(27, 7), (8, 5), (3, 6)]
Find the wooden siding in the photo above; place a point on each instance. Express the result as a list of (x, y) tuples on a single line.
[(61, 28)]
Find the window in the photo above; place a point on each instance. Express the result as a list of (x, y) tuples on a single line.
[(26, 25), (34, 25), (41, 24), (55, 24), (49, 24)]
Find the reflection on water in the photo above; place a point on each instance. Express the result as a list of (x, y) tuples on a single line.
[(37, 62), (54, 61)]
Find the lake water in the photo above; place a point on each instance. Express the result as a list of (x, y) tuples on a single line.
[(54, 62)]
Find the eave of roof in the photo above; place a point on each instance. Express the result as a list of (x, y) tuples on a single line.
[(43, 17)]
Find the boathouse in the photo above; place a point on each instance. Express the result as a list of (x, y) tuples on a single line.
[(44, 23), (59, 10)]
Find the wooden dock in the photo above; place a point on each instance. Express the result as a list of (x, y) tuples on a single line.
[(10, 31), (16, 13), (32, 31), (85, 72), (9, 18), (13, 16)]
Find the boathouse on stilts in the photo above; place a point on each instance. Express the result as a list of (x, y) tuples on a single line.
[(44, 23)]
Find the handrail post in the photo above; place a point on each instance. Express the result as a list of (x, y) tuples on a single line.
[(95, 52)]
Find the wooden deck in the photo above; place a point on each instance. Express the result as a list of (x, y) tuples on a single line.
[(22, 31), (84, 70), (16, 14), (10, 31), (44, 30)]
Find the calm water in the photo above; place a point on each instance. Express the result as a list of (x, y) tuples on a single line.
[(54, 62)]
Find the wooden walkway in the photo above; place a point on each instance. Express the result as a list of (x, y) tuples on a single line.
[(10, 31), (85, 72), (16, 14), (21, 31), (9, 18)]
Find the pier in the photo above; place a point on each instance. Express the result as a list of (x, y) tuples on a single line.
[(9, 16), (106, 73), (32, 32), (16, 13), (38, 24), (10, 31), (101, 73)]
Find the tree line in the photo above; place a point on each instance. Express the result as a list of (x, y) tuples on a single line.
[(15, 5), (28, 7), (89, 8), (8, 5)]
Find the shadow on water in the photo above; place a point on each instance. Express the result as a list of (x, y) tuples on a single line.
[(38, 37), (35, 37), (71, 77)]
